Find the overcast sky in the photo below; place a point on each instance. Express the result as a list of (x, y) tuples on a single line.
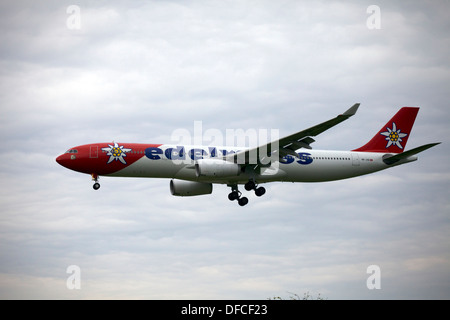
[(135, 71)]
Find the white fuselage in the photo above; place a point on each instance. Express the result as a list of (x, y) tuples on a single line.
[(309, 166)]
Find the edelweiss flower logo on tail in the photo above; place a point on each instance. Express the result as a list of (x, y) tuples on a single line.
[(116, 153), (394, 136)]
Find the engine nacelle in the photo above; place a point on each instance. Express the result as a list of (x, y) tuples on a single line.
[(184, 188), (216, 168)]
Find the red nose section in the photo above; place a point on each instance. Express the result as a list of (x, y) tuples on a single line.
[(63, 160), (76, 159), (103, 158)]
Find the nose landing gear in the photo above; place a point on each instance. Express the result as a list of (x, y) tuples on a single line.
[(96, 185)]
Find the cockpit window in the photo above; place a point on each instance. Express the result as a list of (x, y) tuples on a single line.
[(72, 151)]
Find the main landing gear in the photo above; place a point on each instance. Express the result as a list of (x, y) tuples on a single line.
[(250, 185), (236, 194), (96, 185)]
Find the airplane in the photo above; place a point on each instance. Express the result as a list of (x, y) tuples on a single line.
[(194, 169)]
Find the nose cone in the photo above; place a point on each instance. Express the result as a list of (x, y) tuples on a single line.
[(59, 159), (63, 160)]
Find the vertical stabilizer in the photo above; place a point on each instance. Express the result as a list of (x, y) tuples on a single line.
[(393, 135)]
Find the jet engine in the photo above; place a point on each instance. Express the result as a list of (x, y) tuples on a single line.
[(184, 188), (216, 168)]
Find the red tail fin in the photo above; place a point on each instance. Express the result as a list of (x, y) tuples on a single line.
[(393, 136)]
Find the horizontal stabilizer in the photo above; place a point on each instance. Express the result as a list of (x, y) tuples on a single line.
[(388, 159)]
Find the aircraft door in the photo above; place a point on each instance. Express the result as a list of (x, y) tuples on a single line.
[(93, 152), (355, 159)]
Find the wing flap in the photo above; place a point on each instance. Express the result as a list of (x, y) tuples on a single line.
[(303, 143)]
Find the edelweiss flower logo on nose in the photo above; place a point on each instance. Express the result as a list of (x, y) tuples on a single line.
[(394, 136), (116, 152)]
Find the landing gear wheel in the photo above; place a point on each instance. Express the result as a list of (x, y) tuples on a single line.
[(249, 185), (95, 178), (260, 191), (234, 195), (243, 201)]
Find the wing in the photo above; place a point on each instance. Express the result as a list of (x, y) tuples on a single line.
[(262, 155)]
